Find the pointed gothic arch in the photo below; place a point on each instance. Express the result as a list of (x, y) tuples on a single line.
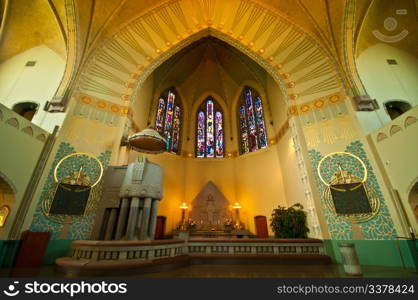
[(168, 120), (210, 135), (252, 129), (301, 74)]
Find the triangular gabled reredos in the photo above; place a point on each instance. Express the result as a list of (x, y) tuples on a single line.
[(210, 206)]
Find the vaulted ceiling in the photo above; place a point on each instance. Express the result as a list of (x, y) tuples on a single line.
[(208, 65), (394, 22), (25, 24), (35, 22)]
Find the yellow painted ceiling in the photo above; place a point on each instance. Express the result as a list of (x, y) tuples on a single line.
[(29, 24), (384, 17), (35, 22)]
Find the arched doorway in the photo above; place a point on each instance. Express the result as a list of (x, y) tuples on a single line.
[(395, 108), (7, 200), (26, 109)]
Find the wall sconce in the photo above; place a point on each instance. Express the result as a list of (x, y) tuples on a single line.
[(237, 207), (183, 208)]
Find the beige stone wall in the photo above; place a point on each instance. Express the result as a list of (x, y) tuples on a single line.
[(18, 158), (397, 145), (385, 82), (19, 83)]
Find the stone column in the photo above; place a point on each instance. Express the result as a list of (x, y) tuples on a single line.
[(133, 214), (139, 218), (153, 218), (123, 214), (110, 227), (143, 233)]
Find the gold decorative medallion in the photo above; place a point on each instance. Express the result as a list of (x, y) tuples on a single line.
[(348, 195), (78, 173)]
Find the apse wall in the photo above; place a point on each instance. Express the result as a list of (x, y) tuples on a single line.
[(385, 82), (140, 111), (260, 187), (294, 186), (21, 83), (253, 180)]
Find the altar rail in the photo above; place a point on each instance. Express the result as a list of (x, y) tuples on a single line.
[(255, 246), (151, 250), (126, 250)]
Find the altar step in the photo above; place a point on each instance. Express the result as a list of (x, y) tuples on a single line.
[(76, 268)]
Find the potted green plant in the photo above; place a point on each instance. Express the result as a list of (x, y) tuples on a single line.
[(289, 222)]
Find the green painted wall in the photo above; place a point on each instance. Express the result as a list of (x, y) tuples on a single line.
[(378, 252), (55, 249), (8, 251)]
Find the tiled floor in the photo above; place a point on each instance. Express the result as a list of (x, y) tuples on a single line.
[(235, 271)]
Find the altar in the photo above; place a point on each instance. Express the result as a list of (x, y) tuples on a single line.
[(212, 215)]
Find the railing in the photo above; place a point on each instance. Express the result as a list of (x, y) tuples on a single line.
[(22, 125), (255, 246), (397, 126), (150, 250), (121, 250)]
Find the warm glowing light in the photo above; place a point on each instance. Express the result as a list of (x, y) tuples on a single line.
[(237, 206), (4, 213), (184, 206)]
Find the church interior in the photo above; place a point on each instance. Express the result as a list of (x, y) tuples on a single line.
[(142, 136)]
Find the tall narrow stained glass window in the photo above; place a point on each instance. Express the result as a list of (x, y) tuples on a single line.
[(168, 120), (210, 134), (252, 126)]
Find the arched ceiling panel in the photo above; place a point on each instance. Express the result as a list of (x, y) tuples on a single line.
[(29, 24), (392, 22)]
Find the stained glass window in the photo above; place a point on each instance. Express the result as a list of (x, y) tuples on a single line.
[(168, 120), (209, 135), (252, 126)]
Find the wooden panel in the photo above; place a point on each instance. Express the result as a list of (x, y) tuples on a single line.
[(32, 249), (261, 227), (160, 227)]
